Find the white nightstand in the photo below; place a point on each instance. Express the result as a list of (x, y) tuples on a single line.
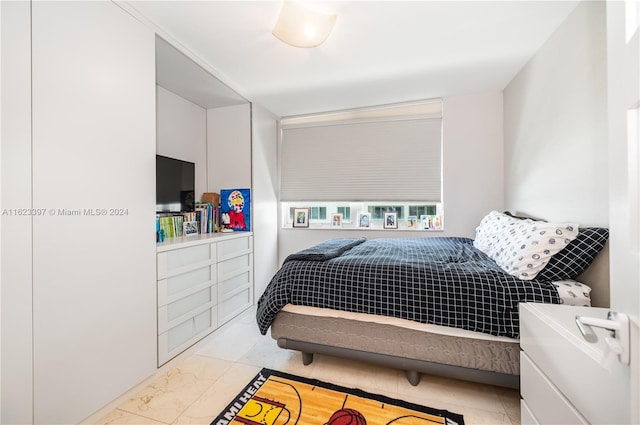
[(561, 379)]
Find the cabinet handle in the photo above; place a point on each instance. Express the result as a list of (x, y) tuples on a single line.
[(618, 326)]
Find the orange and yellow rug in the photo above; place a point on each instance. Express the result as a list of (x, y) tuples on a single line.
[(276, 398)]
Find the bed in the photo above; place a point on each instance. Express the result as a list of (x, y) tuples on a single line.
[(439, 305)]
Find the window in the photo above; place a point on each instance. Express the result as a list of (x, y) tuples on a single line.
[(367, 160), (419, 210), (346, 213), (318, 213), (377, 211)]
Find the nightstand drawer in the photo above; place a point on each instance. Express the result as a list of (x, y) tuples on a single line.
[(547, 405), (551, 340), (526, 417)]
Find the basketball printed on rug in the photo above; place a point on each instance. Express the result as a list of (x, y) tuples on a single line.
[(276, 398)]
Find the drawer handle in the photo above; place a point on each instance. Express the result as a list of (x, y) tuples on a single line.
[(617, 343)]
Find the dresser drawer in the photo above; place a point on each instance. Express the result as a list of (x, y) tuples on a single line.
[(175, 287), (234, 304), (545, 402), (184, 308), (232, 267), (185, 334), (177, 261), (230, 248)]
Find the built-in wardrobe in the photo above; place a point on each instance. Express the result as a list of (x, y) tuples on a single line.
[(79, 275)]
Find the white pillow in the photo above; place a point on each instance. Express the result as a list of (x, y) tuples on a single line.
[(489, 232), (573, 293), (522, 247)]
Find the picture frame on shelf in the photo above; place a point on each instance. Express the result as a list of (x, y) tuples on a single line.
[(190, 228), (336, 220), (425, 223), (364, 220), (301, 217), (412, 222), (431, 222), (235, 210), (390, 220)]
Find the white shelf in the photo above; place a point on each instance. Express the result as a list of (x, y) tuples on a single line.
[(186, 241)]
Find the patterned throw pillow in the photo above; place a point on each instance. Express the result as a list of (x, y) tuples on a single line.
[(577, 256), (573, 293), (522, 248), (489, 230)]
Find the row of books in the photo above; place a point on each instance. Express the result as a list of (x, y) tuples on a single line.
[(205, 216), (209, 217), (169, 226)]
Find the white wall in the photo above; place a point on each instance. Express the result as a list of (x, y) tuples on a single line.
[(265, 197), (556, 132), (555, 125), (229, 147), (16, 231), (473, 161), (182, 133), (472, 174)]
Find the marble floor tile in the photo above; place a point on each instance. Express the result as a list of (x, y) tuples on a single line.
[(120, 417), (354, 374), (267, 354), (218, 396), (511, 402), (232, 343), (198, 389), (170, 395), (436, 388)]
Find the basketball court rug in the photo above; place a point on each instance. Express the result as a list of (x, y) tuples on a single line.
[(276, 398)]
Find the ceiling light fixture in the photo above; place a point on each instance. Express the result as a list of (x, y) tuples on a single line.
[(299, 26)]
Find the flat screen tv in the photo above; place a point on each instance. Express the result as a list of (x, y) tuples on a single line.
[(175, 182)]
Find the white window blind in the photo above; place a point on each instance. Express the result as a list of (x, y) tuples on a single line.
[(383, 154)]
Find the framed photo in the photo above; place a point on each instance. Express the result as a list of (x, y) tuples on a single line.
[(364, 220), (235, 209), (190, 228), (336, 220), (431, 222), (301, 217), (390, 220), (412, 222)]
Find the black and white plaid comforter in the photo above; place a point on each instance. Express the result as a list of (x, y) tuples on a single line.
[(443, 281)]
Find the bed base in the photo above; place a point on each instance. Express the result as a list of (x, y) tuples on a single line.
[(488, 361), (412, 367)]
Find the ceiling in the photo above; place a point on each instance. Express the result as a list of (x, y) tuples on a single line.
[(379, 52)]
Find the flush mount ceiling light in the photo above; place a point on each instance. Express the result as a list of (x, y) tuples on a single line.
[(301, 27)]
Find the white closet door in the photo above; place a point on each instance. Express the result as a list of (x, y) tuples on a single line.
[(93, 152), (623, 98)]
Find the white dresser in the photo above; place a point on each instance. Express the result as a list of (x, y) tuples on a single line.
[(561, 377), (203, 282)]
